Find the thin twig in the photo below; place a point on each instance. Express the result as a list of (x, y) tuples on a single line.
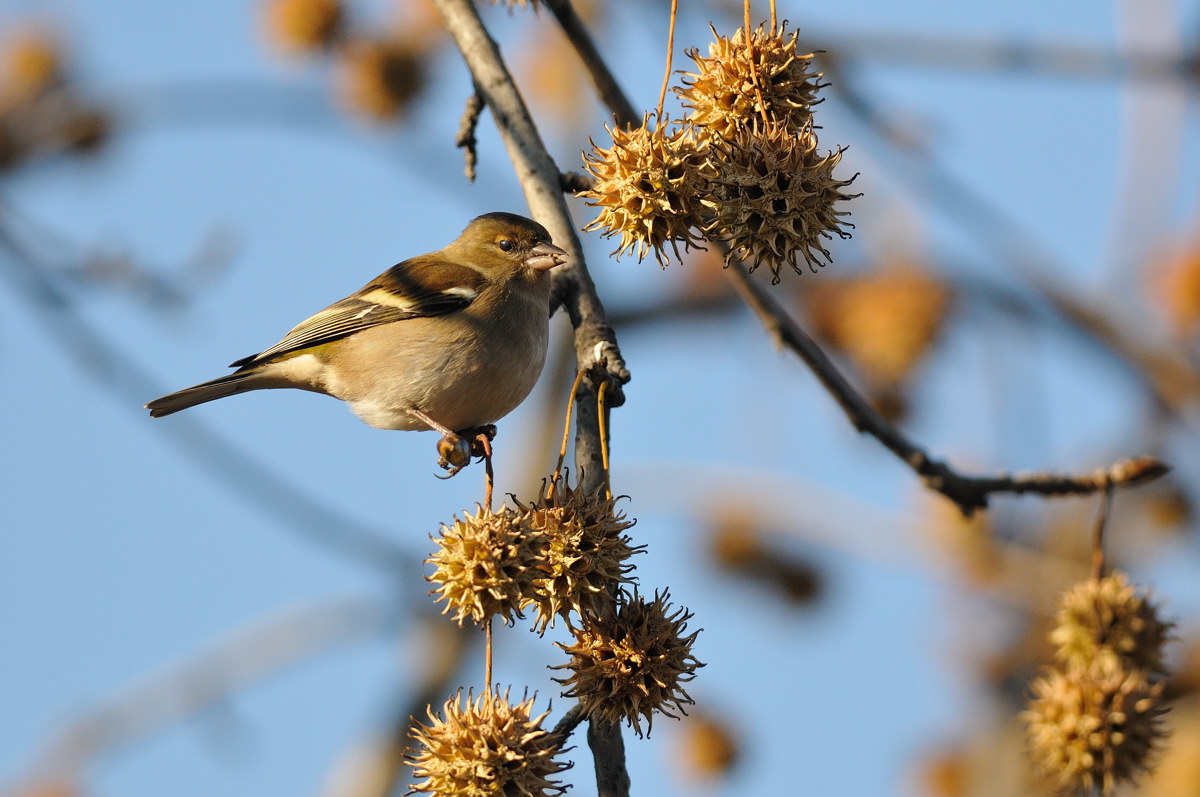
[(1098, 531), (487, 655), (602, 77), (566, 435), (968, 492), (662, 94), (465, 140)]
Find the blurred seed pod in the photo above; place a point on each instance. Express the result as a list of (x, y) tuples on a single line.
[(378, 79), (748, 79), (1175, 288), (32, 63), (633, 663), (739, 546), (648, 186), (585, 554), (486, 565), (1107, 618), (485, 746), (885, 321), (774, 199), (1093, 728), (303, 27), (946, 773), (707, 748)]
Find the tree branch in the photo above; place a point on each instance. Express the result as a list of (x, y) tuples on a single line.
[(596, 348), (602, 77), (968, 492)]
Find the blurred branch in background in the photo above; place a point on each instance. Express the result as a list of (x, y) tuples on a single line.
[(207, 680), (1017, 561), (118, 373)]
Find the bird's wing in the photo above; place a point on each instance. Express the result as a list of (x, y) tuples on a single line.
[(416, 288)]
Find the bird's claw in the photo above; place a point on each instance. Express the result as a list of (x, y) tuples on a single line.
[(456, 449)]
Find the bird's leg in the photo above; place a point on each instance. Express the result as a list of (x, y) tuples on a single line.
[(483, 441), (454, 451)]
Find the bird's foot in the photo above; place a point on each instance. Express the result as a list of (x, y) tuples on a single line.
[(455, 449)]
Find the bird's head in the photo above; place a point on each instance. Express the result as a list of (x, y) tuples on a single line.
[(506, 239)]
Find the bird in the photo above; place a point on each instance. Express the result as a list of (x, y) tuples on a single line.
[(449, 341)]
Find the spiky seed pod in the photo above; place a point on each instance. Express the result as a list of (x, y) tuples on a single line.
[(749, 78), (774, 198), (648, 186), (885, 321), (1107, 618), (379, 78), (486, 747), (299, 27), (633, 663), (1094, 727), (486, 565), (585, 556)]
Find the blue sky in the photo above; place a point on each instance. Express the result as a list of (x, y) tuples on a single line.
[(119, 556)]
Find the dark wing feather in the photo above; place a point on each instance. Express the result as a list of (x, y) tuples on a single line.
[(416, 288)]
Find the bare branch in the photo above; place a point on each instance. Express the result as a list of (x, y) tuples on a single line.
[(968, 492), (602, 77), (295, 508), (595, 342), (465, 140)]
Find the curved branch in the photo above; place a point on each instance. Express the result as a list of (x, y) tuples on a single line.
[(968, 492)]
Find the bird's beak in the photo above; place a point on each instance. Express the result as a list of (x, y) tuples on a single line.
[(545, 256)]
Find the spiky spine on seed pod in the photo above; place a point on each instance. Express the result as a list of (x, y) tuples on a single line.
[(632, 663), (486, 746), (774, 198), (486, 565), (648, 186), (584, 558), (750, 77)]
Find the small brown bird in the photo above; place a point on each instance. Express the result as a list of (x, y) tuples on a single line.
[(451, 340)]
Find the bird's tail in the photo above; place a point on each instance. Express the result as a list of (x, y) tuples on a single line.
[(237, 382)]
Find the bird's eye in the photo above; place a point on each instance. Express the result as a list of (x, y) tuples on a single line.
[(505, 244)]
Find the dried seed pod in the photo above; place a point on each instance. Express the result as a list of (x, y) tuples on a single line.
[(774, 198), (648, 186), (750, 78), (486, 746), (486, 565), (632, 663), (585, 556)]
